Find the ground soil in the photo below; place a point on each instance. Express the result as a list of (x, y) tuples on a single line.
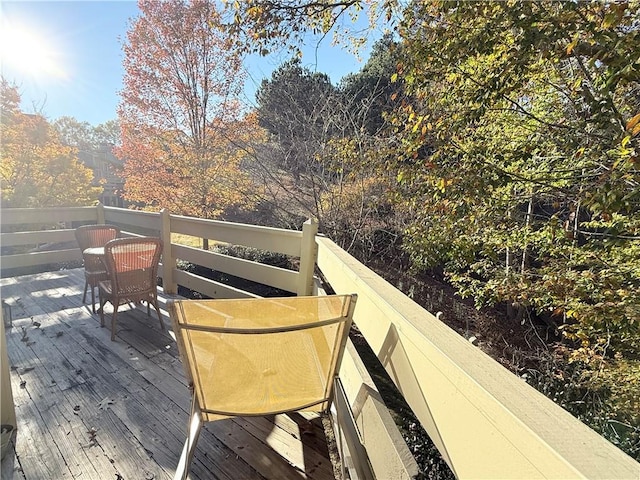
[(500, 336)]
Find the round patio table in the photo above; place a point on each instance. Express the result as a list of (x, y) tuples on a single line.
[(95, 252)]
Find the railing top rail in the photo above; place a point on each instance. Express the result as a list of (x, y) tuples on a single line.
[(128, 211), (238, 226), (27, 216), (486, 421), (280, 240)]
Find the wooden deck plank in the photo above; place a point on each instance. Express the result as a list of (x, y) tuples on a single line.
[(284, 437), (253, 450), (169, 397), (140, 405), (42, 393), (70, 366), (48, 399)]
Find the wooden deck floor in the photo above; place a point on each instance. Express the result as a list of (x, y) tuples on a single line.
[(90, 408)]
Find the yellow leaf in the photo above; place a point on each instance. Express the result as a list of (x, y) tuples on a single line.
[(611, 19), (625, 141)]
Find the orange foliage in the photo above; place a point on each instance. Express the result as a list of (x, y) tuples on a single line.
[(183, 133), (36, 169)]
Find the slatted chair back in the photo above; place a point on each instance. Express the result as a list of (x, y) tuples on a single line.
[(132, 264), (256, 357), (89, 236)]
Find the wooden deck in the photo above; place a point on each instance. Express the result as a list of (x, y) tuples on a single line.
[(91, 408)]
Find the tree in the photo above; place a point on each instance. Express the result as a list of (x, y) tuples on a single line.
[(261, 26), (84, 136), (182, 126), (519, 160), (107, 132), (371, 93), (532, 187), (36, 169), (75, 133), (296, 107), (320, 135)]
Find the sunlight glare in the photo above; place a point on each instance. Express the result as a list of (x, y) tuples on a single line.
[(29, 53)]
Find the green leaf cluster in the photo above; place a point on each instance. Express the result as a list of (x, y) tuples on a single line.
[(520, 158)]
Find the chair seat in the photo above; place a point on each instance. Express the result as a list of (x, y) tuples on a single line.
[(96, 275), (106, 288), (261, 374)]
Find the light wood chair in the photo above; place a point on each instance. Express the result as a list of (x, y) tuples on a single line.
[(256, 357), (92, 236), (132, 266)]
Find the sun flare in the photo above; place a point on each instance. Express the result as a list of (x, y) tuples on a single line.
[(27, 52)]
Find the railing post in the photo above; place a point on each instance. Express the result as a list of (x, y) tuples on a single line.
[(308, 254), (168, 262), (100, 220)]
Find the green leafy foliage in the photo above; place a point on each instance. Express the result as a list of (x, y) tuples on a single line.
[(530, 191), (84, 136)]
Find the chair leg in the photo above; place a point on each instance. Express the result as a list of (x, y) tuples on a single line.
[(93, 299), (195, 425), (84, 295), (101, 309), (113, 321), (154, 301)]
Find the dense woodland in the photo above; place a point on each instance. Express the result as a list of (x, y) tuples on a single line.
[(493, 146)]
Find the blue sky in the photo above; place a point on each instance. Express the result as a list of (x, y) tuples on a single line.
[(66, 57)]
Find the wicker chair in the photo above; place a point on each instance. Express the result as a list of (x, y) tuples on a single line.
[(91, 236), (256, 357), (132, 266)]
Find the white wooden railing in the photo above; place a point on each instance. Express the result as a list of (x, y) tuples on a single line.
[(485, 421)]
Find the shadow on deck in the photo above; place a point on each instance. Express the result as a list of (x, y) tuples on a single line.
[(91, 408)]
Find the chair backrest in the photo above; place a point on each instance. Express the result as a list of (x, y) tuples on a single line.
[(132, 264), (262, 356), (89, 236)]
